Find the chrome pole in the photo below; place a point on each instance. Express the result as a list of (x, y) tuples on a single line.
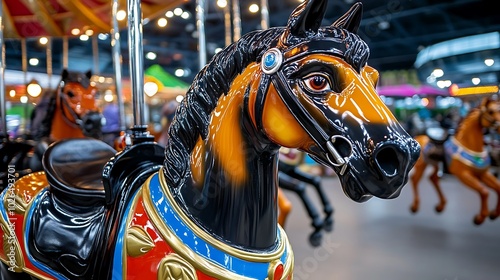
[(227, 25), (200, 23), (49, 61), (2, 76), (95, 54), (65, 52), (136, 60), (264, 12), (236, 20), (117, 64)]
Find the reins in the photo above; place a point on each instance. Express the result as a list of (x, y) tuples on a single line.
[(271, 65)]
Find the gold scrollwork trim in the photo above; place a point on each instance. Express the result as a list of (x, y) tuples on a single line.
[(138, 241), (200, 262), (245, 255), (175, 267)]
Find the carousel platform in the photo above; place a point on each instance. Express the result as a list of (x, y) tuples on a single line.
[(382, 239)]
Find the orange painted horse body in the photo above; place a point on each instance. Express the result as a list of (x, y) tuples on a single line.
[(466, 158)]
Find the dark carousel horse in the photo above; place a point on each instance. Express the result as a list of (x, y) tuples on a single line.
[(291, 178), (465, 156), (205, 207), (71, 111)]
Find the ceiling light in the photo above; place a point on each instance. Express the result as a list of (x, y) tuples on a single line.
[(438, 73), (489, 62), (24, 99), (102, 36), (179, 72), (178, 11), (253, 8), (476, 81), (12, 93), (34, 61), (75, 31), (222, 3), (179, 98), (151, 55), (185, 15), (43, 40), (34, 89), (84, 37), (121, 15), (89, 32), (150, 88), (169, 14), (162, 22)]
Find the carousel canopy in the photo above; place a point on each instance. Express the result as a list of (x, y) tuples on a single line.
[(57, 18)]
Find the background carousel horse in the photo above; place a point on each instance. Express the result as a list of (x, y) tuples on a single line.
[(71, 111), (293, 179), (205, 207), (466, 158)]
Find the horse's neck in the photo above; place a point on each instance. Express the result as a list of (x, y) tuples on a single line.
[(61, 128), (231, 190), (470, 134)]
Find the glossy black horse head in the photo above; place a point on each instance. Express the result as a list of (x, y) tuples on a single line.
[(322, 79)]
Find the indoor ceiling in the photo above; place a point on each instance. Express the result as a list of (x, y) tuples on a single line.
[(395, 30)]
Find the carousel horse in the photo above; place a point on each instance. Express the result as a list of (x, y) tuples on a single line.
[(71, 111), (205, 206), (465, 156), (291, 178)]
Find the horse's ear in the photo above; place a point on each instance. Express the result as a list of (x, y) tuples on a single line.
[(307, 17), (88, 74), (65, 74), (351, 19)]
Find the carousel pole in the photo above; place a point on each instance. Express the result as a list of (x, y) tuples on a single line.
[(200, 22), (227, 25), (49, 61), (236, 20), (264, 12), (2, 76), (117, 64), (24, 66), (95, 54), (139, 131), (65, 52)]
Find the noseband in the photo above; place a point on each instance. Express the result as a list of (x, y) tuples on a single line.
[(272, 62)]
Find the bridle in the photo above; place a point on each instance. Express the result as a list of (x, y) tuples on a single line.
[(272, 64)]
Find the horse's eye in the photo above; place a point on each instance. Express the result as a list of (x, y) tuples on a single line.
[(317, 83), (70, 94)]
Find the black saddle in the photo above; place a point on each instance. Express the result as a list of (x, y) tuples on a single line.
[(438, 135), (434, 150), (75, 225)]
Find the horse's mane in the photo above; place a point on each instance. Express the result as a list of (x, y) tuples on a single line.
[(43, 128), (192, 115)]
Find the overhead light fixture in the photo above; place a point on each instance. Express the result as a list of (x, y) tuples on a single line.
[(89, 32), (84, 37), (253, 8), (75, 31), (151, 55), (169, 14), (34, 89), (150, 88), (102, 36), (438, 73), (178, 11), (121, 15), (162, 22), (221, 3), (179, 98), (489, 62), (185, 15), (34, 61), (179, 72), (24, 99), (12, 93), (43, 40), (476, 81)]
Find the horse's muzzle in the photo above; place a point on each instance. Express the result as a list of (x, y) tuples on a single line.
[(92, 124)]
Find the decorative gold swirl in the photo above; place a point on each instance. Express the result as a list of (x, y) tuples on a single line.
[(173, 267), (139, 242)]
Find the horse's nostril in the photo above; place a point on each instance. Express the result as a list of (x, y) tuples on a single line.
[(387, 160)]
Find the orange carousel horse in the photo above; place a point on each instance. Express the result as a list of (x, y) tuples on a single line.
[(71, 111), (465, 156)]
